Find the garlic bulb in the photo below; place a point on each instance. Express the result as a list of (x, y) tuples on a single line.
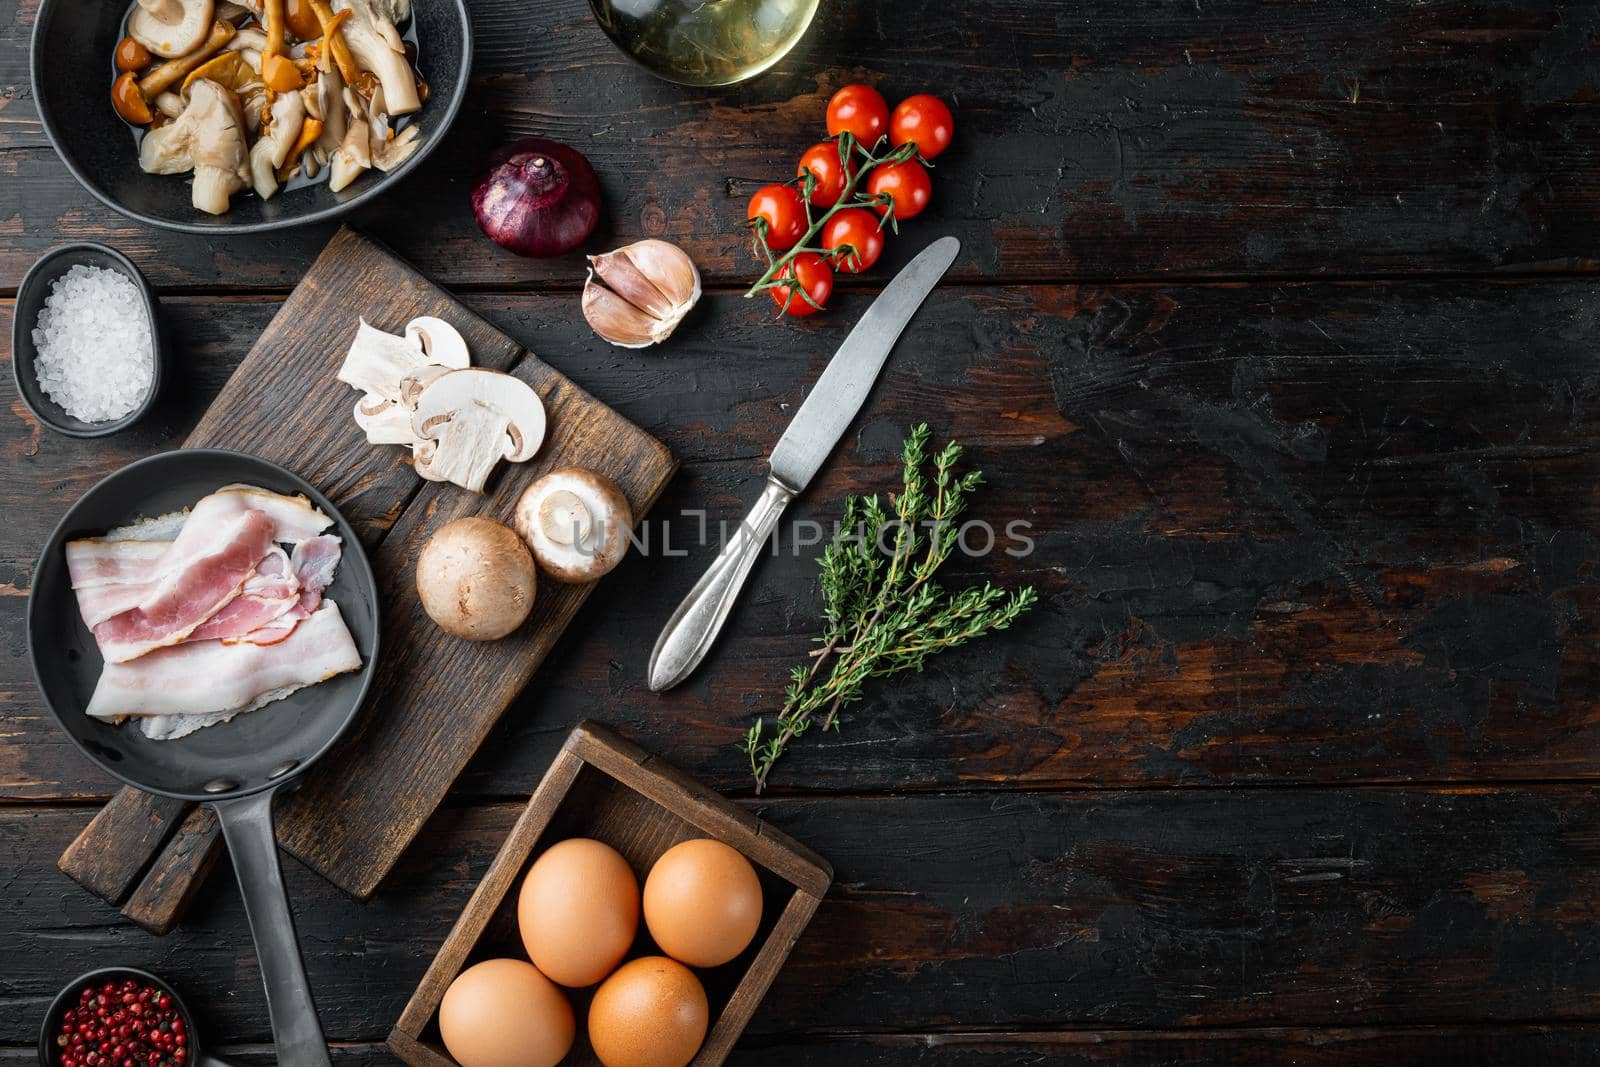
[(637, 295)]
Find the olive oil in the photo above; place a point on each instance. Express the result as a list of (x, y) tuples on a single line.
[(705, 42)]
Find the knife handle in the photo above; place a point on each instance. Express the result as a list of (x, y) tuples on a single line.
[(693, 627)]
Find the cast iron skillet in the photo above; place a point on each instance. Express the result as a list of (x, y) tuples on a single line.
[(235, 767)]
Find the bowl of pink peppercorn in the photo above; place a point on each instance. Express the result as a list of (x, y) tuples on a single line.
[(119, 1017)]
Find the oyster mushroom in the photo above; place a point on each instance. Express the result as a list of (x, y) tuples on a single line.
[(331, 110), (388, 150), (467, 421), (207, 138), (377, 47), (250, 39), (576, 522), (353, 157), (169, 104), (276, 142), (171, 28)]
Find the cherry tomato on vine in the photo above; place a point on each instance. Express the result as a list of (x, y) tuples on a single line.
[(907, 184), (813, 274), (862, 110), (784, 213), (859, 229), (822, 160), (925, 120)]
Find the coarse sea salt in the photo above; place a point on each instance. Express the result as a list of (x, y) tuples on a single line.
[(95, 354)]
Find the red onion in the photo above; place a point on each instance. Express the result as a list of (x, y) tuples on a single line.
[(537, 198)]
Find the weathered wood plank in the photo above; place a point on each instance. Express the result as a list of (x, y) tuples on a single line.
[(1109, 910), (1285, 533), (1094, 140), (1562, 1045)]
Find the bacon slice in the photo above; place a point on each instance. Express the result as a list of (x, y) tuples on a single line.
[(218, 558), (96, 562), (139, 553), (314, 563), (268, 593), (135, 597), (209, 678)]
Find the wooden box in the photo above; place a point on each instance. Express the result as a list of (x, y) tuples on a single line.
[(603, 787)]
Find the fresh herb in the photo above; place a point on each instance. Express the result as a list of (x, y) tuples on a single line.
[(883, 611)]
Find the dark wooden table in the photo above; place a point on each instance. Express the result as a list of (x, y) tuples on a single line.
[(1279, 322)]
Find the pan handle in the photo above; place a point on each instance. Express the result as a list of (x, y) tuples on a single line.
[(247, 826)]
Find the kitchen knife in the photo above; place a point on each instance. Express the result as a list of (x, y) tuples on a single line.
[(801, 451)]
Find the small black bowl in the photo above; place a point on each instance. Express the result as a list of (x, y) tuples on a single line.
[(71, 71), (31, 295), (68, 997)]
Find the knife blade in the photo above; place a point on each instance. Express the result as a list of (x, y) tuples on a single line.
[(843, 387), (816, 428)]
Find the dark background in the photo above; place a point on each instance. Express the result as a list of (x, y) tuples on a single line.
[(1276, 320)]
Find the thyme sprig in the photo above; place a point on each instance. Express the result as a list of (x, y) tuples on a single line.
[(849, 148), (882, 610)]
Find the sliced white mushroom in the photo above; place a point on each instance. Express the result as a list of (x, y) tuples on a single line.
[(441, 341), (468, 420), (576, 522), (377, 47), (386, 422), (392, 373), (171, 28), (377, 360), (208, 138), (412, 385), (273, 147)]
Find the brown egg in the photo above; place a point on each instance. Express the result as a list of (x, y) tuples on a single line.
[(702, 902), (651, 1013), (578, 911), (504, 1013)]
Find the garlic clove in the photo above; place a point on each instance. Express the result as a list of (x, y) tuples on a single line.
[(616, 320), (622, 276), (636, 295), (670, 268)]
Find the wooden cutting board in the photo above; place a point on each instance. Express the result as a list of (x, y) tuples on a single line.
[(435, 697)]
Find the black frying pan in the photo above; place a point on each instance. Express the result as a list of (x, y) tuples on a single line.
[(235, 767)]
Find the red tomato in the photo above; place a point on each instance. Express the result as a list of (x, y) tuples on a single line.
[(855, 236), (813, 274), (860, 109), (822, 160), (925, 120), (907, 184), (782, 211)]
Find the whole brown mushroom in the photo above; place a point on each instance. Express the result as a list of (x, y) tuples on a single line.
[(577, 522), (476, 579)]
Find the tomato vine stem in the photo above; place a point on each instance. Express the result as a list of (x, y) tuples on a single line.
[(848, 198)]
